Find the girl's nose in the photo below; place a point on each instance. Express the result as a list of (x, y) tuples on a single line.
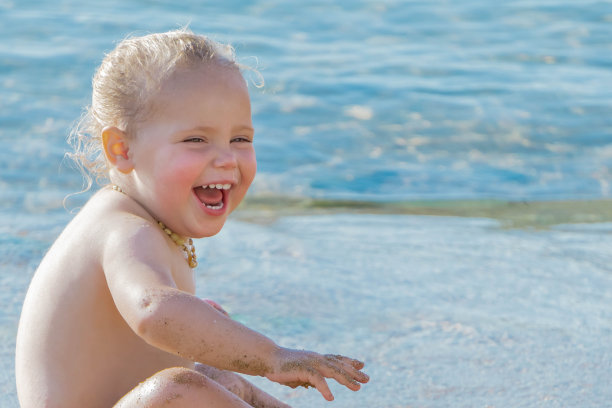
[(225, 159)]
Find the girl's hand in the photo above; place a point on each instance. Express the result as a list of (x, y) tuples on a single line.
[(296, 368)]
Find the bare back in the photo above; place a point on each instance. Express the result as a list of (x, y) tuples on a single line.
[(74, 349)]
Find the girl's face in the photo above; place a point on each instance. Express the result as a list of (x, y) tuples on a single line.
[(193, 156)]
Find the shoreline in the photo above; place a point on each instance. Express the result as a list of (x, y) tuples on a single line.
[(266, 208), (511, 214)]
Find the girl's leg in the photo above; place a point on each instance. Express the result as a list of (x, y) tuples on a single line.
[(180, 387)]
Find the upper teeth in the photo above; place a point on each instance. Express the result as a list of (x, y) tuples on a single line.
[(218, 186)]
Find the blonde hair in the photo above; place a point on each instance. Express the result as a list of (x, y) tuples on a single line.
[(124, 84)]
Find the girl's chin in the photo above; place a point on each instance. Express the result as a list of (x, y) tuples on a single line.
[(206, 235), (209, 229)]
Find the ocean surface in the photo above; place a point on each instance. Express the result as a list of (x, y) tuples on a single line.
[(433, 192)]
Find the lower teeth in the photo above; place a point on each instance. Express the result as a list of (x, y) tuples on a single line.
[(215, 207)]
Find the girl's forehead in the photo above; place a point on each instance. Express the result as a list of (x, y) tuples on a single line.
[(210, 74), (205, 81), (204, 92)]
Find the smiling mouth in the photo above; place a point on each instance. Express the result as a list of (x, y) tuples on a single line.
[(212, 195)]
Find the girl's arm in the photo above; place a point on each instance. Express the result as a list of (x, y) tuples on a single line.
[(137, 268), (189, 327)]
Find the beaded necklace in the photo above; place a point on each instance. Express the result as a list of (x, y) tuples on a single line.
[(186, 244)]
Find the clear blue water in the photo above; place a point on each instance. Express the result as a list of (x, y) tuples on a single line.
[(367, 100)]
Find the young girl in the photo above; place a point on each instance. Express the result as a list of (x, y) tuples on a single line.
[(110, 318)]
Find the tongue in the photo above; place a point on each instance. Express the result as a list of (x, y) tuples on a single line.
[(209, 195)]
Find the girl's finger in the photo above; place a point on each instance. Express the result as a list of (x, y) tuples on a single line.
[(335, 370), (356, 364), (320, 384), (347, 372)]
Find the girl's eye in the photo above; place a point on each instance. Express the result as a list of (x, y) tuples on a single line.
[(195, 139), (242, 139)]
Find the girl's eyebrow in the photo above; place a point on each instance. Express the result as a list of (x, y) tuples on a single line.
[(204, 129), (244, 128), (208, 129)]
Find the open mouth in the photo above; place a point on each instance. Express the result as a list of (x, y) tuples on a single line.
[(212, 195)]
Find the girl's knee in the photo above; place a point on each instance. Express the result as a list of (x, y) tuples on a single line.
[(178, 384), (180, 387), (168, 387), (180, 377)]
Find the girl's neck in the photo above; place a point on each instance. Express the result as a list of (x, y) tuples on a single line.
[(185, 243)]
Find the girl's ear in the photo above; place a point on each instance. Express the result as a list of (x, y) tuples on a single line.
[(116, 148)]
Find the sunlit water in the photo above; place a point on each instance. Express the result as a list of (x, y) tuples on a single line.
[(380, 101)]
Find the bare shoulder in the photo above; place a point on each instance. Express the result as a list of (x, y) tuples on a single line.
[(130, 238), (110, 234), (111, 221), (136, 253)]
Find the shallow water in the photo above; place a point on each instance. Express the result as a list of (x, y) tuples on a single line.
[(363, 99), (445, 311), (496, 118)]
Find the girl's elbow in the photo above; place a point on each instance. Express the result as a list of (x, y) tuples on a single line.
[(144, 326), (151, 320)]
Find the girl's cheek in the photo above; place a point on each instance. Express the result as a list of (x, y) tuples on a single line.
[(185, 168), (248, 157), (250, 165)]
